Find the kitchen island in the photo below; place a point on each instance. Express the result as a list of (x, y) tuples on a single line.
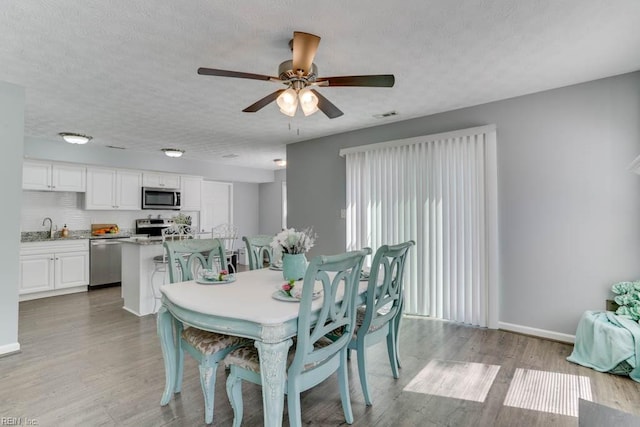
[(138, 266)]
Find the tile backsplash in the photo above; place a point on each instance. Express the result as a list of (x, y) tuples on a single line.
[(68, 208)]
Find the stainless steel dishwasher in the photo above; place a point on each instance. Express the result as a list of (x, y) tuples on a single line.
[(106, 261)]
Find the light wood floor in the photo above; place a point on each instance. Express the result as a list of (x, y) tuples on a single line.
[(85, 361)]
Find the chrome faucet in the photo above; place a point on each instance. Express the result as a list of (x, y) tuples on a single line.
[(50, 226)]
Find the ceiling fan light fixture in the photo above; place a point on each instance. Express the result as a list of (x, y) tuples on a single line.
[(288, 102), (308, 101), (297, 74), (75, 138), (173, 152)]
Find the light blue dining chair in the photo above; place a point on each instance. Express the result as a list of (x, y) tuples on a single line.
[(313, 358), (379, 318), (186, 257), (258, 248), (173, 232)]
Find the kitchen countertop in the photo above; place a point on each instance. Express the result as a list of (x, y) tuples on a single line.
[(43, 236), (144, 241), (110, 236)]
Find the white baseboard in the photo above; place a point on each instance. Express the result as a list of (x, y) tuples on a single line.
[(132, 311), (8, 349), (542, 333), (54, 293)]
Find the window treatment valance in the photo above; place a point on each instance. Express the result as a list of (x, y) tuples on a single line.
[(441, 191), (486, 129)]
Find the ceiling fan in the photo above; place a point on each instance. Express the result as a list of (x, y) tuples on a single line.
[(300, 76)]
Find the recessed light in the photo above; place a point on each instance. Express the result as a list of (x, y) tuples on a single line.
[(75, 138), (173, 152)]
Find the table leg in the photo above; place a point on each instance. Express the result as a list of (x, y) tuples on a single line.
[(167, 343), (273, 366)]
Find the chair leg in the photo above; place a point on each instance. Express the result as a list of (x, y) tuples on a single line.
[(234, 392), (179, 357), (343, 381), (293, 406), (180, 371), (348, 354), (362, 372), (395, 323), (391, 349), (208, 383)]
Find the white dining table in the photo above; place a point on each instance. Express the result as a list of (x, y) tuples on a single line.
[(246, 308)]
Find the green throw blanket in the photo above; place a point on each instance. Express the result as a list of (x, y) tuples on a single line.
[(607, 342)]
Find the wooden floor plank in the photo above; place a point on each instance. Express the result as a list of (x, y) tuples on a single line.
[(86, 361)]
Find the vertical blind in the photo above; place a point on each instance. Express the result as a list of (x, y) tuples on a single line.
[(440, 191)]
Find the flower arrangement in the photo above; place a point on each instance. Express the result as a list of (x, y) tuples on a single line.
[(287, 287), (222, 275), (293, 242), (182, 219), (628, 299)]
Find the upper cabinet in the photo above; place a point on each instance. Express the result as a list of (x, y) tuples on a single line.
[(48, 176), (160, 180), (191, 193), (109, 189)]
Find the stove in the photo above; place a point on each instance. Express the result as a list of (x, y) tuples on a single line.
[(152, 227)]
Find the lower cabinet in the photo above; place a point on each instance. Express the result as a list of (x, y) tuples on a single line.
[(49, 266)]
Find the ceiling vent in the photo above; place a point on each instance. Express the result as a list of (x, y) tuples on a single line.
[(114, 147), (385, 115), (230, 156)]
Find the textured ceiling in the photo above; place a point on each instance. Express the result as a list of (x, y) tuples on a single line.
[(125, 71)]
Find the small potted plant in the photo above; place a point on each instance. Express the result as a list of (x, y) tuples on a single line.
[(628, 299), (182, 219)]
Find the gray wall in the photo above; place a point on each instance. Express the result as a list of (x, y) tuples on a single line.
[(271, 204), (569, 208), (12, 100), (245, 210)]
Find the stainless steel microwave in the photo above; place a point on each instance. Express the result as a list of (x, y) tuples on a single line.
[(160, 198)]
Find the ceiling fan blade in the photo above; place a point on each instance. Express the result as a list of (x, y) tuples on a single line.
[(263, 102), (237, 74), (376, 80), (327, 106), (305, 46)]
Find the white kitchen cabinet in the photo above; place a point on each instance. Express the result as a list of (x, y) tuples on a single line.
[(36, 273), (129, 190), (110, 189), (53, 265), (71, 269), (48, 176), (160, 180), (191, 193)]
